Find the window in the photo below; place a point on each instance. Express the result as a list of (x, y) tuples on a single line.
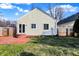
[(33, 26), (71, 30), (23, 28), (20, 28), (46, 26)]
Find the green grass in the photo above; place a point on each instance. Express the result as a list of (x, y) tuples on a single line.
[(43, 46)]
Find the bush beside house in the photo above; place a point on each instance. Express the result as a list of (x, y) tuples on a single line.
[(76, 27)]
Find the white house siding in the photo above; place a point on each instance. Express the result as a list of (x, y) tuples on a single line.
[(62, 28), (39, 18), (1, 31)]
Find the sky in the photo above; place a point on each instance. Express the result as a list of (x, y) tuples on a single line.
[(13, 11)]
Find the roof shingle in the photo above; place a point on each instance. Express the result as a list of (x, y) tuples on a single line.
[(69, 19)]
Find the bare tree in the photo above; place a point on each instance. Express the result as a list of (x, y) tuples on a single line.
[(1, 17), (6, 23), (2, 20), (50, 10), (56, 12)]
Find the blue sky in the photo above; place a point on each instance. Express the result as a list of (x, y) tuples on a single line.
[(13, 11)]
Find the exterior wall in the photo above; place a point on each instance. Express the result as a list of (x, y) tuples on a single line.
[(62, 29), (0, 31), (39, 18)]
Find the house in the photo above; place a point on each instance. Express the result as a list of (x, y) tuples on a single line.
[(65, 26), (36, 23)]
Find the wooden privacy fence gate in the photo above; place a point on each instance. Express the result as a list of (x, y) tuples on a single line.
[(7, 31)]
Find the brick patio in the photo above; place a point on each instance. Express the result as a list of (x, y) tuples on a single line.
[(12, 40)]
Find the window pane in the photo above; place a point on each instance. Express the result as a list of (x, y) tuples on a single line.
[(46, 26), (20, 28), (23, 28), (71, 30), (33, 25)]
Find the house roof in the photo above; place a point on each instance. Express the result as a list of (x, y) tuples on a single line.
[(69, 19), (39, 10), (44, 12)]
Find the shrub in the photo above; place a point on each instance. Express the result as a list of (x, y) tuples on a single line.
[(76, 26)]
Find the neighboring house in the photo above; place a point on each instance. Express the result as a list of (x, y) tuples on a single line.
[(65, 27), (37, 22)]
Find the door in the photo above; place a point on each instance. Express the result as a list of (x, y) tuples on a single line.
[(66, 31), (23, 28)]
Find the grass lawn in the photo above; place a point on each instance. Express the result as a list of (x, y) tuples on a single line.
[(43, 46)]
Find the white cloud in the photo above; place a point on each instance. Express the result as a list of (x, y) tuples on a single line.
[(26, 10), (48, 11), (16, 13), (19, 9), (6, 6), (10, 6), (29, 3), (69, 8)]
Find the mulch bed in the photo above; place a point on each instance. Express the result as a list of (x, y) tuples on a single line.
[(12, 40)]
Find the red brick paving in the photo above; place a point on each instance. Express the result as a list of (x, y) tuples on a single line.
[(12, 40)]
